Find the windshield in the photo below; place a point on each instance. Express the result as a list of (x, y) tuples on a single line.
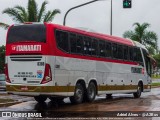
[(2, 77), (27, 33)]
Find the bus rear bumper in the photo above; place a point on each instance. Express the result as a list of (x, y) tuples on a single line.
[(32, 94), (40, 90)]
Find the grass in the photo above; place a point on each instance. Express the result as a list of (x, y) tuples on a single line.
[(156, 84), (2, 100), (155, 76)]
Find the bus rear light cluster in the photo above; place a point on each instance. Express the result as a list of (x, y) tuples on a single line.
[(47, 75), (6, 73), (48, 78)]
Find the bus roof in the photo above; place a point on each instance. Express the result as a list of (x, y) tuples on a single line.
[(97, 35)]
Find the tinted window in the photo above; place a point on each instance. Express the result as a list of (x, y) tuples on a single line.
[(108, 49), (114, 50), (147, 62), (139, 55), (126, 51), (135, 55), (79, 45), (73, 43), (101, 48), (94, 47), (87, 45), (25, 33), (120, 51), (62, 40), (131, 54)]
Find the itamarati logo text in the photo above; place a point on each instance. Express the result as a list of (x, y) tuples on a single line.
[(26, 47)]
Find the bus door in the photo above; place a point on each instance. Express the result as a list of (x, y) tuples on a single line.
[(148, 66)]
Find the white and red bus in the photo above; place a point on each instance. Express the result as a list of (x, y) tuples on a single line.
[(53, 61)]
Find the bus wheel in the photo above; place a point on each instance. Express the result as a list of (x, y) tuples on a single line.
[(78, 94), (57, 99), (139, 91), (40, 99), (91, 92)]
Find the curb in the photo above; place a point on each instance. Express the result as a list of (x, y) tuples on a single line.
[(9, 104), (155, 87)]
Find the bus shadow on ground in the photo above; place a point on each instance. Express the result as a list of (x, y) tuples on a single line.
[(66, 109), (53, 109)]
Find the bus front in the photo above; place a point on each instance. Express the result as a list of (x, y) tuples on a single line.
[(26, 67)]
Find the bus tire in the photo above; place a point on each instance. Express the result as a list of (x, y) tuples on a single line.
[(109, 96), (139, 91), (78, 94), (40, 99), (57, 99), (91, 92)]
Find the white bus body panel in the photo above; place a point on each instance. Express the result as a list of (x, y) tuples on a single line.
[(105, 73), (24, 71), (67, 71)]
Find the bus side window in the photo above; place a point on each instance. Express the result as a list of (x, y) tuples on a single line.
[(147, 62), (62, 40), (87, 46), (149, 67), (139, 55), (114, 50), (131, 54), (120, 51), (73, 43), (108, 49), (79, 45), (94, 47), (126, 52), (101, 48), (135, 56)]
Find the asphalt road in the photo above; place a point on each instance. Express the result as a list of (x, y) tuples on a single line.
[(149, 101)]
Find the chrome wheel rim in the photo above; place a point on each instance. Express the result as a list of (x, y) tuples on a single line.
[(79, 94), (139, 90), (91, 92)]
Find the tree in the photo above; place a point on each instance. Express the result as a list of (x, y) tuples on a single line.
[(142, 35), (157, 58), (2, 58), (30, 14), (152, 51)]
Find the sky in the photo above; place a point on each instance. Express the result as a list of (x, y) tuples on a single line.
[(95, 16)]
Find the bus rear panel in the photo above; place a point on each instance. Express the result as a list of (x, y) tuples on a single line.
[(26, 59)]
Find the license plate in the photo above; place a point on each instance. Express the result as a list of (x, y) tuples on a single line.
[(24, 88)]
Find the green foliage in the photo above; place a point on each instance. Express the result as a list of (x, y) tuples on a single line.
[(157, 58), (2, 58), (151, 50), (156, 84), (3, 25), (30, 14), (140, 34)]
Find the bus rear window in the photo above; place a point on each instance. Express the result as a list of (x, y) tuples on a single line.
[(27, 33)]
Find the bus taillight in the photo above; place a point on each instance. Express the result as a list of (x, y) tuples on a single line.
[(47, 75), (6, 73)]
